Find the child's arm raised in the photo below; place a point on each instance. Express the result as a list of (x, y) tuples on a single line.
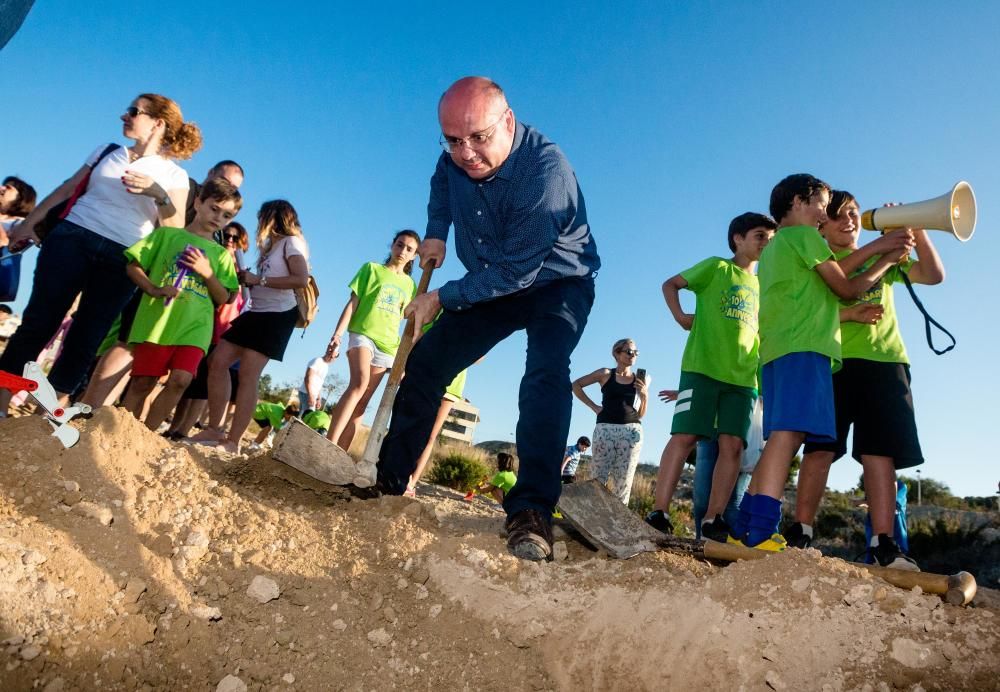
[(850, 288), (885, 244), (671, 293), (599, 376), (139, 277), (333, 348), (197, 261), (928, 269)]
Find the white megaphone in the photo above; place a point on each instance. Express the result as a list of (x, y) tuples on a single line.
[(954, 212)]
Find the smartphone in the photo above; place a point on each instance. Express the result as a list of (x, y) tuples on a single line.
[(641, 374)]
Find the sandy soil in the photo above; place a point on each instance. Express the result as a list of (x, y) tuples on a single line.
[(129, 563)]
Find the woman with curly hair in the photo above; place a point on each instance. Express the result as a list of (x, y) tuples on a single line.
[(130, 190)]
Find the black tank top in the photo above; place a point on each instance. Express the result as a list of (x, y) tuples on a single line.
[(618, 402)]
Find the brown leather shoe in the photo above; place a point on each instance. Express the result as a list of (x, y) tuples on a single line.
[(529, 535)]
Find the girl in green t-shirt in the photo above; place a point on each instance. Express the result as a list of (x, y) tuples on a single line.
[(371, 317)]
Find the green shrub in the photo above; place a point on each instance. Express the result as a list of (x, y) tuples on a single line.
[(458, 470)]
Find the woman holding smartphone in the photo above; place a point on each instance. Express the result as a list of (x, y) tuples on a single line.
[(617, 438)]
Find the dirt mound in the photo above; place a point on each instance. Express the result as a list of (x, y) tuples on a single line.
[(128, 563)]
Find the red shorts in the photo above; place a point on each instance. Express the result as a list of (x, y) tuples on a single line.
[(154, 360)]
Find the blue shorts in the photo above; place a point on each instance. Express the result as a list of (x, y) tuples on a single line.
[(798, 396)]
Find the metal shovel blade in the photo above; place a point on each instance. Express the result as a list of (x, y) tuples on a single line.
[(307, 451), (605, 521)]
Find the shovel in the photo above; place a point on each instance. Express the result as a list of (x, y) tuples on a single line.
[(369, 460), (611, 526), (313, 454)]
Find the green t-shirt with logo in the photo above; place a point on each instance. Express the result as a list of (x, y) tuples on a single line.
[(271, 412), (382, 296), (188, 319), (723, 340), (881, 341), (504, 480), (798, 311)]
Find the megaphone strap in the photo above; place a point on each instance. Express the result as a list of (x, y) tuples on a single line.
[(928, 320)]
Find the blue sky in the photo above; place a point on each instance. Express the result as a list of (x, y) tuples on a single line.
[(675, 116)]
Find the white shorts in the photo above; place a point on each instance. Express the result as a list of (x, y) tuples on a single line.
[(379, 359)]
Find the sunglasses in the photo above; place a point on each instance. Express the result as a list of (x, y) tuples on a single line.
[(132, 111), (629, 352), (227, 237)]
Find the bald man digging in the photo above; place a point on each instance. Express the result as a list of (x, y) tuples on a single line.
[(521, 233)]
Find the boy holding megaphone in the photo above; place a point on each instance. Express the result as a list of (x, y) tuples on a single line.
[(800, 282), (871, 391)]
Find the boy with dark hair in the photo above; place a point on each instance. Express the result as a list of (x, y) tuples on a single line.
[(184, 274), (271, 416), (718, 383), (800, 282), (872, 392), (571, 459)]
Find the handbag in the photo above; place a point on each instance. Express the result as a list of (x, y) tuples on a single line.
[(59, 211), (10, 274)]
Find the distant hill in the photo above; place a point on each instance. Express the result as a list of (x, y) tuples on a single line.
[(493, 446)]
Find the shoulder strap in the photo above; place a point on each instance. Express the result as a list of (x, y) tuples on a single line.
[(928, 320), (107, 150)]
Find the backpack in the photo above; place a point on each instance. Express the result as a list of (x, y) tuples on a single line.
[(306, 299)]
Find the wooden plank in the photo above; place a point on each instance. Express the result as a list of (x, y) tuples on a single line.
[(307, 451)]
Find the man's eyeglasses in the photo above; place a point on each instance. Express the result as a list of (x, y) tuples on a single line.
[(630, 352), (476, 141), (132, 111)]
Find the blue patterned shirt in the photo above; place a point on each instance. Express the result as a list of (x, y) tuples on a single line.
[(525, 226)]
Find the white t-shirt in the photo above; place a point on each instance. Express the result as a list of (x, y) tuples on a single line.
[(109, 210), (267, 299)]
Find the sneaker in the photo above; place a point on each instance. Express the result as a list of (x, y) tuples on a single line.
[(888, 554), (659, 520), (796, 538), (470, 496), (529, 535), (774, 544), (715, 530), (735, 541)]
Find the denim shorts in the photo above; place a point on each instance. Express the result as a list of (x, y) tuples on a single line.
[(380, 359)]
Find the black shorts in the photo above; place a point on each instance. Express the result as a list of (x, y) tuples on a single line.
[(264, 332), (262, 422), (875, 398)]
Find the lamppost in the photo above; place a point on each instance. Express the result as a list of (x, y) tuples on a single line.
[(918, 488)]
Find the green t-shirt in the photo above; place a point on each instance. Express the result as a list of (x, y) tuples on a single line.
[(382, 296), (723, 341), (187, 320), (798, 311), (881, 341), (271, 412), (317, 420), (504, 480)]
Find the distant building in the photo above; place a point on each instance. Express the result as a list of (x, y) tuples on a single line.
[(460, 426)]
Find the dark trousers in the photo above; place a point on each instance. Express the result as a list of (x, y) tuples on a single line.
[(72, 260), (554, 316)]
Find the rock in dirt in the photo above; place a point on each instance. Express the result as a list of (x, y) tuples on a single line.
[(559, 551), (912, 654), (101, 514), (33, 558), (263, 589), (380, 637), (205, 612), (30, 653), (231, 683)]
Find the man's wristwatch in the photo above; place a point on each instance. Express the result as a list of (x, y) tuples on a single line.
[(263, 282)]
